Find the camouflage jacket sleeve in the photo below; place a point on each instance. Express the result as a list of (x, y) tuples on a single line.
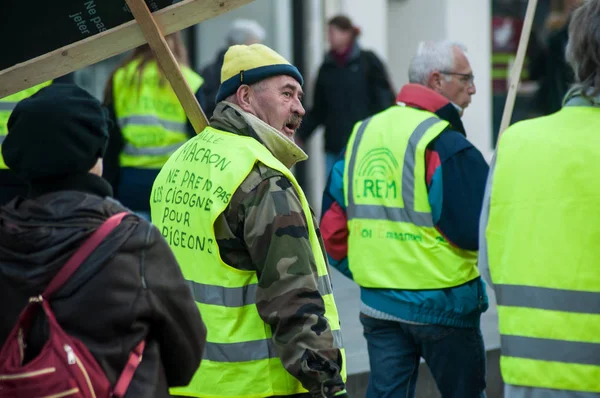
[(265, 212)]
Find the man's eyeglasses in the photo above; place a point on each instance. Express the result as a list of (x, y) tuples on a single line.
[(466, 78)]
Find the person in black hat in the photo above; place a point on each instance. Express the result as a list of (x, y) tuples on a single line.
[(10, 184), (129, 289)]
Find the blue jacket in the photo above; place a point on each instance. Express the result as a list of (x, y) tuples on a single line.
[(456, 174)]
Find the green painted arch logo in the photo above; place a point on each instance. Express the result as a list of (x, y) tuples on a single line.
[(377, 175)]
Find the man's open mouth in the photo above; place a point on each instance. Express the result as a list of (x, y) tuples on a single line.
[(292, 126)]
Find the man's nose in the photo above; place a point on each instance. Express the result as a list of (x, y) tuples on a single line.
[(298, 108), (472, 89)]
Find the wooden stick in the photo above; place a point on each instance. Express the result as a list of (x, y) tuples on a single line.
[(168, 63), (107, 44), (517, 67)]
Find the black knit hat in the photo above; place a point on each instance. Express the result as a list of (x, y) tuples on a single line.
[(59, 131)]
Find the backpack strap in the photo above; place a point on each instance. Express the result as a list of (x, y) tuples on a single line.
[(127, 374), (82, 253)]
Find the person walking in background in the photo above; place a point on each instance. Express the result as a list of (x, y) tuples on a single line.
[(128, 290), (551, 69), (400, 218), (149, 123), (248, 243), (10, 184), (539, 235), (241, 31), (352, 84)]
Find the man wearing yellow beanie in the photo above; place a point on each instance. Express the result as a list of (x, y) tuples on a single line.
[(247, 242)]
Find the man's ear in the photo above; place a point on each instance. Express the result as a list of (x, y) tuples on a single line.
[(243, 97), (435, 81)]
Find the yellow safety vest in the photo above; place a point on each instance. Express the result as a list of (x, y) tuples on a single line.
[(152, 121), (501, 62), (7, 104), (193, 188), (543, 249), (393, 242)]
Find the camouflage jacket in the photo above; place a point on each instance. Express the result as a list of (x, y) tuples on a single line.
[(264, 229)]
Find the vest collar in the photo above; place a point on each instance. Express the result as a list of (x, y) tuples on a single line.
[(421, 97), (232, 118), (576, 98)]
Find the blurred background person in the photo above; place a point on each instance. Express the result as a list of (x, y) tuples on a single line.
[(352, 84), (149, 123), (242, 31), (551, 69)]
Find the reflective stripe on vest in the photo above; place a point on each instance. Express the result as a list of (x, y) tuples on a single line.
[(131, 150), (250, 350), (237, 296), (532, 392), (387, 206), (542, 234), (193, 188), (152, 121), (548, 299), (7, 105)]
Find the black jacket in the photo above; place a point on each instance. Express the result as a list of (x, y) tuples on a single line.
[(554, 73), (130, 288), (346, 94)]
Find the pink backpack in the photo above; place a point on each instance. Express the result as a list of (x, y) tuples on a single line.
[(64, 367)]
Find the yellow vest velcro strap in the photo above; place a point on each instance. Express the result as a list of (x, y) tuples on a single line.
[(151, 120), (548, 299), (149, 151), (400, 214), (239, 296), (550, 350), (8, 106), (247, 351), (534, 392)]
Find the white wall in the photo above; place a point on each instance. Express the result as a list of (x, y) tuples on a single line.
[(466, 21), (370, 16), (314, 48), (409, 22), (473, 28)]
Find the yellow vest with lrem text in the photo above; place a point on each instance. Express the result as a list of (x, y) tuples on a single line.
[(7, 104), (152, 121), (543, 251), (393, 242), (193, 188)]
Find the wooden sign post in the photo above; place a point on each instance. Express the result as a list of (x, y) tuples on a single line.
[(106, 43), (515, 75)]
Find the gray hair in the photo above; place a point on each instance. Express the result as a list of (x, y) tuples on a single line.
[(583, 48), (432, 56), (244, 30)]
